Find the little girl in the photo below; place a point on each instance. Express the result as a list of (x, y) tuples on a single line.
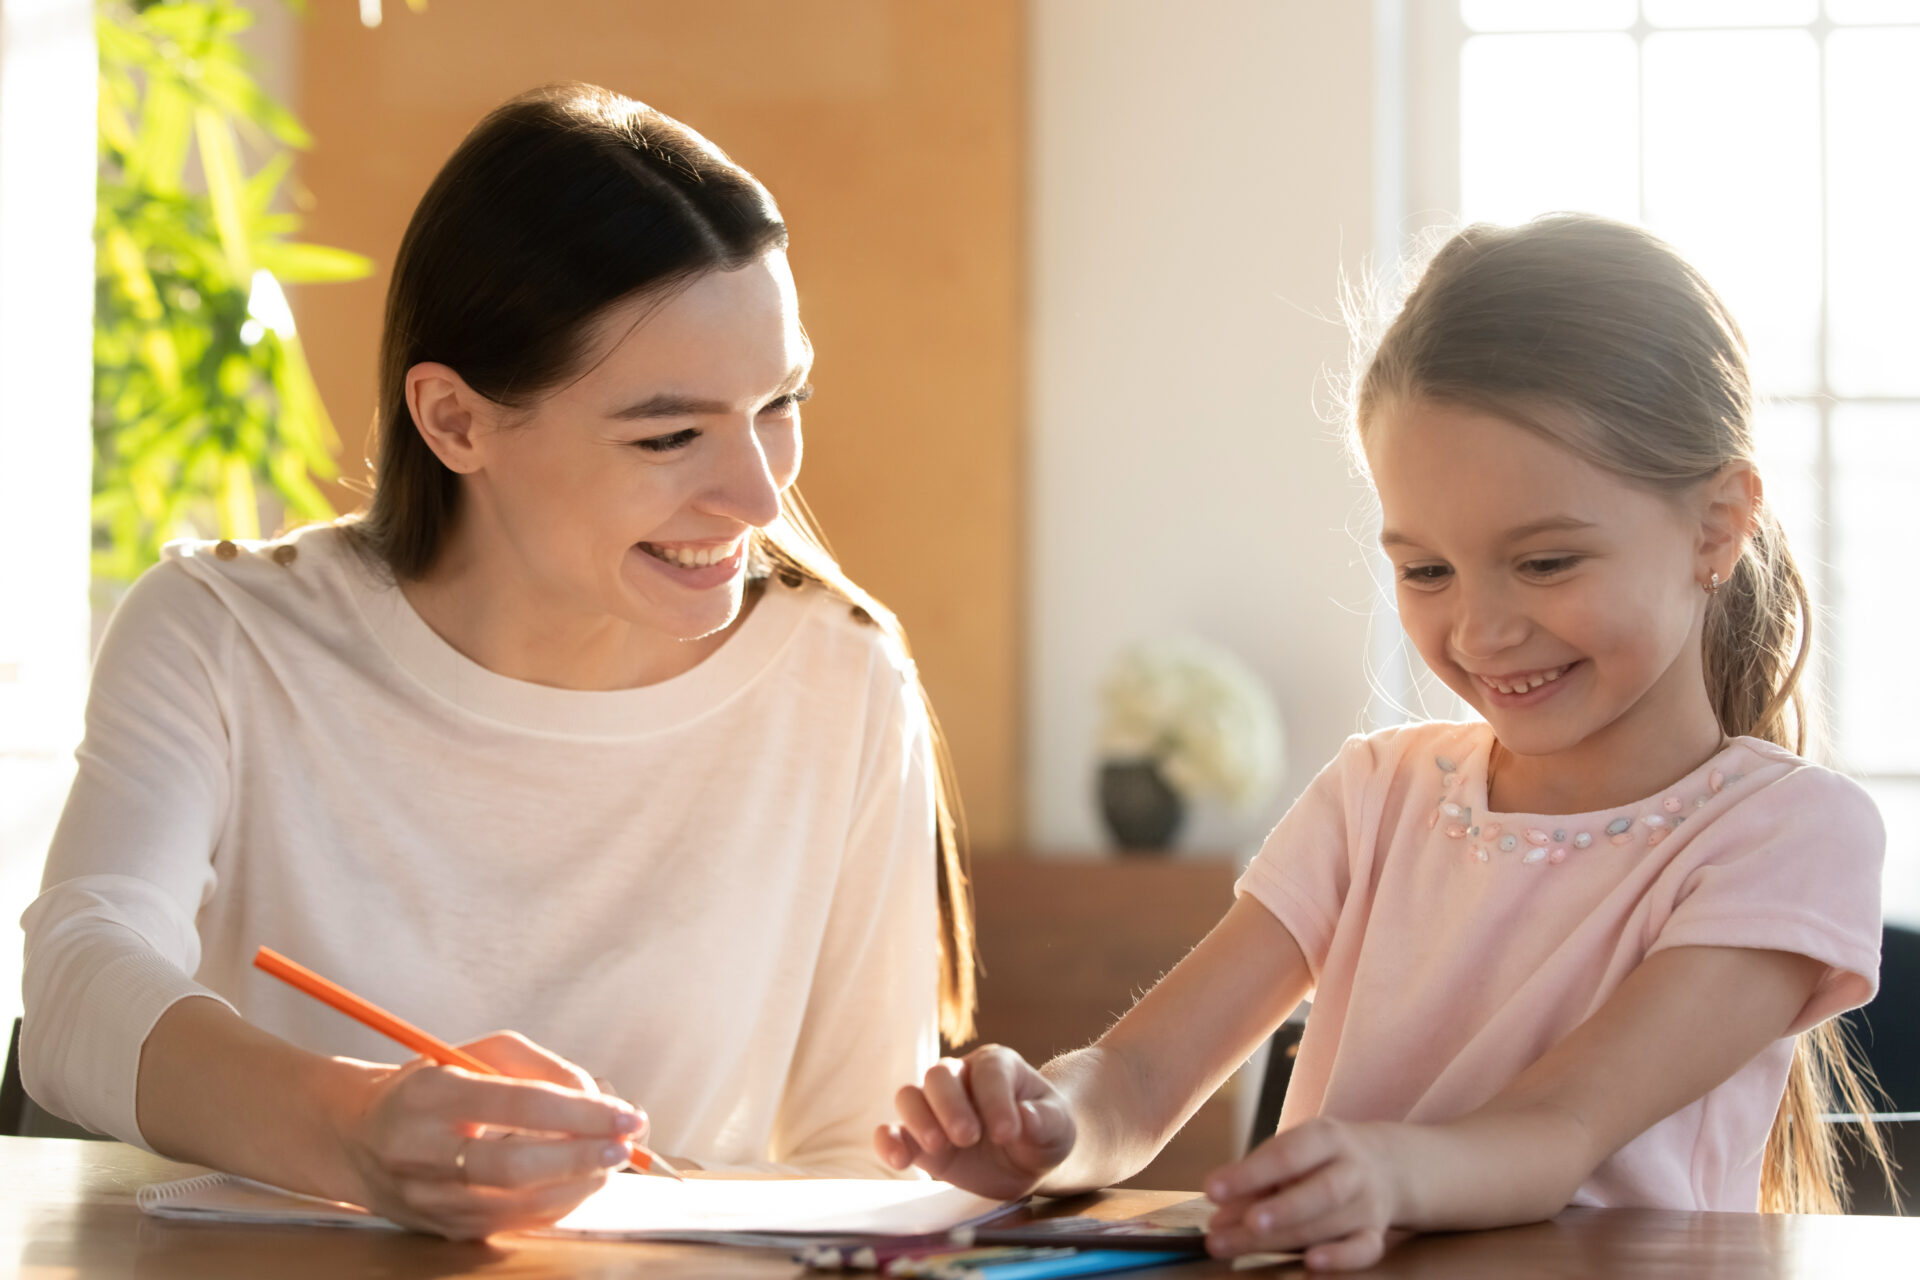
[(1576, 953)]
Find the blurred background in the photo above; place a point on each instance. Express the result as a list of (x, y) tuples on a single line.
[(1073, 271)]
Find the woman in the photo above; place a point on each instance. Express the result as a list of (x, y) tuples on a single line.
[(577, 730)]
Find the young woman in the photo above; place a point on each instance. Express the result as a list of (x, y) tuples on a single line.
[(577, 730)]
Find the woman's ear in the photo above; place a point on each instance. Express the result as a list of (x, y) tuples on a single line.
[(1731, 506), (449, 415)]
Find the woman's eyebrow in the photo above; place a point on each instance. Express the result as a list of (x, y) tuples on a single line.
[(674, 404)]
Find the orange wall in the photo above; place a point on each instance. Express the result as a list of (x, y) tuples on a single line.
[(892, 134)]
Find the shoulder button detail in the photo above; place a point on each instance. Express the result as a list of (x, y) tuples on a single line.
[(285, 554), (226, 549)]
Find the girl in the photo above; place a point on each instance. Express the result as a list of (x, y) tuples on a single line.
[(578, 730), (1561, 956)]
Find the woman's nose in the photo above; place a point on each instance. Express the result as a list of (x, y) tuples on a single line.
[(747, 487)]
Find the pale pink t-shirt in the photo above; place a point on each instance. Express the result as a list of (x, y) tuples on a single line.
[(1451, 947)]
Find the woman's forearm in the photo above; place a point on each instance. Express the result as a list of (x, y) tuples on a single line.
[(216, 1090)]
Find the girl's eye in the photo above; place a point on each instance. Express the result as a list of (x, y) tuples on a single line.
[(1424, 574), (669, 442), (790, 402), (1548, 566)]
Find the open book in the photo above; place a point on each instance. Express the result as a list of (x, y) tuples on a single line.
[(717, 1210)]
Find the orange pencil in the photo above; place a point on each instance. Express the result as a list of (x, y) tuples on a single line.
[(427, 1046)]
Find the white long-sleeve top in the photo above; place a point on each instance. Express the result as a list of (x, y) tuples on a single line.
[(717, 892)]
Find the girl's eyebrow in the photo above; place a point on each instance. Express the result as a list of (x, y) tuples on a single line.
[(1552, 524), (671, 404)]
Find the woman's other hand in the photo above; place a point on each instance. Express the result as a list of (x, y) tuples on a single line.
[(988, 1122), (443, 1150)]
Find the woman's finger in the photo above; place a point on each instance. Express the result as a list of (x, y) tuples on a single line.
[(511, 1053), (530, 1106), (895, 1146), (534, 1162), (945, 1090), (464, 1212)]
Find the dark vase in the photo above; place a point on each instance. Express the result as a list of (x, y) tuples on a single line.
[(1143, 813)]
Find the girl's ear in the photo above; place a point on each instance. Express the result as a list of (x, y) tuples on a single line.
[(1730, 506), (449, 415)]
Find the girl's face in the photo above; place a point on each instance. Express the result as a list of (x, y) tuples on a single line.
[(630, 492), (1560, 602)]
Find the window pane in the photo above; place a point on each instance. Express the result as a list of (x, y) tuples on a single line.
[(1899, 803), (1730, 13), (1873, 132), (1546, 15), (1787, 437), (1733, 178), (1874, 10), (1548, 123), (1876, 455)]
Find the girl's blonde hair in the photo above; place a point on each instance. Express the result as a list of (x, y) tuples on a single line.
[(1601, 338)]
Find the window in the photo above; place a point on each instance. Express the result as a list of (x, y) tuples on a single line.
[(1774, 142)]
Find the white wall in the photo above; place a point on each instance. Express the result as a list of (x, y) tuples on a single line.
[(1201, 173), (47, 109)]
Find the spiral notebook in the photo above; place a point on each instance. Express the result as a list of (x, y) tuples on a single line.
[(714, 1210)]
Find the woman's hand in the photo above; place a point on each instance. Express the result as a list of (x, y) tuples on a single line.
[(988, 1122), (1325, 1186), (442, 1150)]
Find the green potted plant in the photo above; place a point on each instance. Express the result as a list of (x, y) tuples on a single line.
[(205, 410)]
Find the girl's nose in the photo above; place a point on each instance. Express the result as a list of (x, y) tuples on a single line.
[(1486, 624)]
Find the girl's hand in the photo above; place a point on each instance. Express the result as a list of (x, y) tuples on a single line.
[(1325, 1186), (442, 1150), (987, 1122)]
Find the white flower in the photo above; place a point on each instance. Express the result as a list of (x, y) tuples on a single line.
[(1197, 712)]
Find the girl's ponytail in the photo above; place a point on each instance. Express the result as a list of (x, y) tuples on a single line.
[(1599, 337)]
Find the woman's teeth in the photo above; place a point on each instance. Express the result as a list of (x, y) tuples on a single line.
[(1522, 684), (691, 557)]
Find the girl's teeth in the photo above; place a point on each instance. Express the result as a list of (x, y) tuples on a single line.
[(1530, 683)]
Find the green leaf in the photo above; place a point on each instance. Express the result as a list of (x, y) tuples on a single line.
[(297, 263), (226, 187)]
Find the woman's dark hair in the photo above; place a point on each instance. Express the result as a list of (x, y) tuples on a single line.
[(559, 205)]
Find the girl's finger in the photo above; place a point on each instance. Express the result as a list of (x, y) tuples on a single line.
[(490, 1162), (1046, 1132), (1274, 1163), (918, 1120), (1361, 1249), (895, 1146), (461, 1211), (946, 1093), (1324, 1204), (994, 1080)]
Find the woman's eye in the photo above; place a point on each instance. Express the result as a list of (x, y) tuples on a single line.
[(669, 442), (1424, 574), (790, 402)]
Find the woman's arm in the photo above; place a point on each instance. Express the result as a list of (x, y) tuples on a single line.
[(218, 1091), (1681, 1023), (1098, 1115)]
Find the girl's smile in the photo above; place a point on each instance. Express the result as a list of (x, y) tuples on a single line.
[(1560, 601)]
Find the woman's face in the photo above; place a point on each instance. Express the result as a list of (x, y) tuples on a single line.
[(629, 492)]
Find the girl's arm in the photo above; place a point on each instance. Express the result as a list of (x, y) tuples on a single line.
[(1096, 1116), (1684, 1021)]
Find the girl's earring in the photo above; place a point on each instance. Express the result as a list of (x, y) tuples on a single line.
[(1713, 583)]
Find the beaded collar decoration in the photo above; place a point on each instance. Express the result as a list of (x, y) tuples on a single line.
[(1544, 845)]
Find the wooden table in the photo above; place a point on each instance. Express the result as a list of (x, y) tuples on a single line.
[(67, 1212)]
